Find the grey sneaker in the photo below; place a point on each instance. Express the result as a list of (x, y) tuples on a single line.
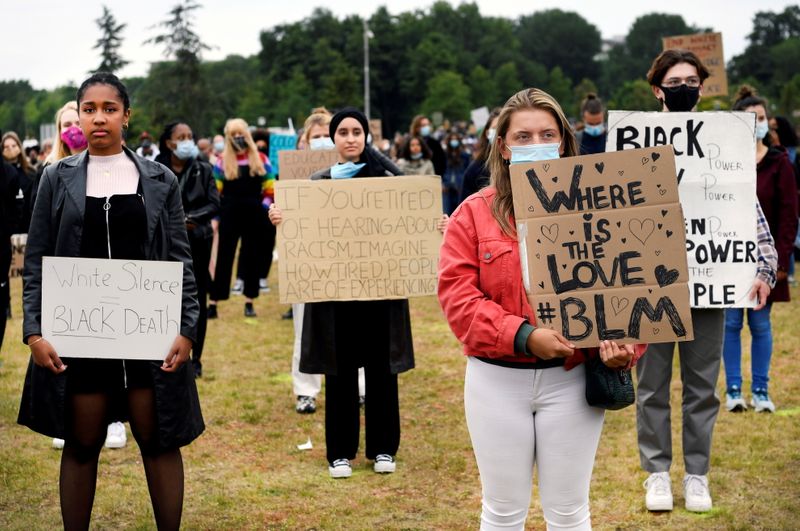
[(384, 464), (340, 468), (734, 401), (659, 492), (696, 493), (761, 402)]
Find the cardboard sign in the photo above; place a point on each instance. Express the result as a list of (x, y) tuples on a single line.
[(708, 47), (715, 155), (18, 243), (278, 143), (302, 163), (479, 117), (358, 239), (116, 309), (603, 248), (376, 130)]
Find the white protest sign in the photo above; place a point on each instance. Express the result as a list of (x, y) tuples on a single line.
[(116, 309), (479, 116), (358, 239), (716, 165)]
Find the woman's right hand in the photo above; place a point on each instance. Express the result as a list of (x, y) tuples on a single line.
[(275, 214), (548, 344), (44, 355)]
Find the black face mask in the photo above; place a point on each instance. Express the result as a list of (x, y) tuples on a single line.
[(240, 143), (681, 99)]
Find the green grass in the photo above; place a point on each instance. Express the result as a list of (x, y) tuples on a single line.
[(245, 471)]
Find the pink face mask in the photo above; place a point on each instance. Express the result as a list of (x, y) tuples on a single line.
[(73, 137)]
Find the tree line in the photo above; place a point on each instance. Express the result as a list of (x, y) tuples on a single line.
[(445, 58)]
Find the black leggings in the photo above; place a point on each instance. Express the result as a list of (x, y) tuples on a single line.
[(88, 415)]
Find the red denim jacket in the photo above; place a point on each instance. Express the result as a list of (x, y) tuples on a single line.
[(480, 285)]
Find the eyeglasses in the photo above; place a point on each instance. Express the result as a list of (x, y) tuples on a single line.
[(676, 82)]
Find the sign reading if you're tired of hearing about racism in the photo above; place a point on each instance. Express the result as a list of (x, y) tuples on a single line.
[(358, 239), (302, 163), (715, 155), (602, 246), (115, 309)]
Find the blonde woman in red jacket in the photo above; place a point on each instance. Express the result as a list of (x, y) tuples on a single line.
[(524, 394)]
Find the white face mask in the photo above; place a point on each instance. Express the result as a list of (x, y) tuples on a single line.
[(534, 152), (762, 128), (321, 143)]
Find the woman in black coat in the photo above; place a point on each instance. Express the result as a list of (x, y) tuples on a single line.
[(178, 152), (109, 203)]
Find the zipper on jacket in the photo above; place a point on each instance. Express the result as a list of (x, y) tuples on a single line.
[(107, 207)]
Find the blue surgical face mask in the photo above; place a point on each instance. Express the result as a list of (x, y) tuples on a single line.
[(219, 146), (425, 130), (186, 149), (321, 143), (594, 130), (346, 170), (416, 156), (762, 128), (490, 134), (454, 143), (534, 152)]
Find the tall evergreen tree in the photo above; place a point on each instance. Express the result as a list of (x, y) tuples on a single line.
[(109, 43)]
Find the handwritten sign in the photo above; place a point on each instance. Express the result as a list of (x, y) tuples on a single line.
[(376, 130), (18, 243), (278, 143), (716, 163), (603, 248), (708, 47), (302, 163), (116, 309), (358, 239)]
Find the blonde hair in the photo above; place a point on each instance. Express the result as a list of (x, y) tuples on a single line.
[(60, 150), (531, 98), (230, 164), (318, 116)]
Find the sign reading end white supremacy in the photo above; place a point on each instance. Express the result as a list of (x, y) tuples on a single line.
[(358, 239), (117, 309)]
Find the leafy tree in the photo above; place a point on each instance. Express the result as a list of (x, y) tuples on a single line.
[(578, 94), (790, 96), (562, 39), (559, 87), (109, 43), (448, 94), (482, 87), (770, 28), (635, 95), (506, 79)]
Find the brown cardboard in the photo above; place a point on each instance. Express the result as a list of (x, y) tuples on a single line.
[(708, 47), (302, 163), (376, 130), (358, 239), (18, 242), (603, 227)]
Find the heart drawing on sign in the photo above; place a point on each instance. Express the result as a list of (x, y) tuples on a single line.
[(541, 284), (658, 253), (645, 160), (550, 232), (530, 208), (538, 256), (662, 191), (621, 173), (642, 229), (655, 156), (555, 179), (600, 166), (665, 277), (656, 331), (653, 169), (618, 304), (664, 213), (546, 167)]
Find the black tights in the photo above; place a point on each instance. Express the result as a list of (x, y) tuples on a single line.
[(86, 432)]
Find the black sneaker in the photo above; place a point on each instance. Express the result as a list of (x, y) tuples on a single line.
[(211, 313), (288, 315), (249, 311), (198, 368), (305, 404)]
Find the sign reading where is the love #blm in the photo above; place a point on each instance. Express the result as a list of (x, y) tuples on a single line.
[(715, 155), (603, 248)]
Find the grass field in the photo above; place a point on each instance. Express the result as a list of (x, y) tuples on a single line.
[(245, 471)]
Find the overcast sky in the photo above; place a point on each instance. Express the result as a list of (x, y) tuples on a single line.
[(49, 42)]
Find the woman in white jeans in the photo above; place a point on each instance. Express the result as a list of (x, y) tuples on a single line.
[(524, 393)]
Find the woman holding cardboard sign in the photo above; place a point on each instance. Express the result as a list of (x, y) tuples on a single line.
[(524, 394), (110, 203)]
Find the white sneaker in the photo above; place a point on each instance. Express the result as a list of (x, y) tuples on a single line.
[(734, 401), (116, 436), (263, 287), (384, 464), (659, 492), (58, 444), (695, 490), (238, 287), (761, 402), (340, 468)]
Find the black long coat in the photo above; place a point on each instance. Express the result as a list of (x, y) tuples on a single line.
[(56, 230)]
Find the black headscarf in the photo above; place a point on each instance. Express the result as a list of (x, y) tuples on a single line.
[(348, 112)]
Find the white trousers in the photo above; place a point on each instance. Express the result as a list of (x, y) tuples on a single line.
[(308, 384), (521, 417)]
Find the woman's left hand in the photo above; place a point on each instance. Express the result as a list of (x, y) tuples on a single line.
[(615, 356), (442, 223), (178, 354)]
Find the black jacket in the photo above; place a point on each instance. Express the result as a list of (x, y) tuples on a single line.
[(318, 352), (56, 229), (9, 214), (199, 196)]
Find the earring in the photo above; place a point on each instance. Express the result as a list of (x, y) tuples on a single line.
[(125, 125)]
